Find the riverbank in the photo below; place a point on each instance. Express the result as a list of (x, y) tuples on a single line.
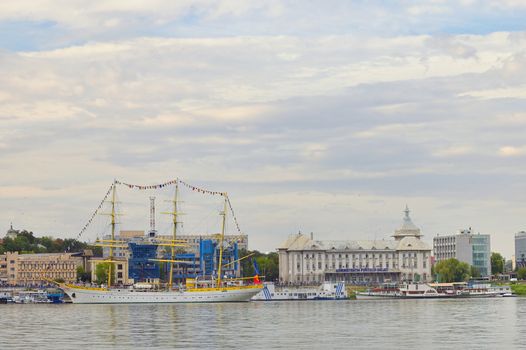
[(518, 289)]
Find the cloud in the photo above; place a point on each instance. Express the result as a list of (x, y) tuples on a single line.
[(511, 151), (286, 107)]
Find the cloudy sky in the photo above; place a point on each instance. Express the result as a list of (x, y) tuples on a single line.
[(322, 116)]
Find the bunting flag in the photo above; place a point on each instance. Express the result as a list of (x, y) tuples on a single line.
[(202, 190), (94, 214), (147, 187), (233, 215), (158, 186)]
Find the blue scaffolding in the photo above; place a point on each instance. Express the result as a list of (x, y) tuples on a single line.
[(140, 265), (209, 258)]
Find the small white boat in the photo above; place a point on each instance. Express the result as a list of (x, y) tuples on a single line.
[(326, 291)]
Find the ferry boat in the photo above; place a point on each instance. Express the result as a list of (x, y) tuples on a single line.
[(406, 291), (428, 291), (386, 291), (218, 290), (326, 291)]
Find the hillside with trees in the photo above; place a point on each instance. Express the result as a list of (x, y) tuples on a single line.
[(26, 242)]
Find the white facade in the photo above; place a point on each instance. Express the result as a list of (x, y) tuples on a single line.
[(406, 258)]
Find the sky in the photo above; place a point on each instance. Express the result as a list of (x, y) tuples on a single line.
[(315, 116)]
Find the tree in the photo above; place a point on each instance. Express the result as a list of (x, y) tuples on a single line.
[(475, 273), (497, 263), (268, 264), (452, 270), (521, 273), (101, 271)]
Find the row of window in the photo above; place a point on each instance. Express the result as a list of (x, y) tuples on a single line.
[(406, 263), (23, 266)]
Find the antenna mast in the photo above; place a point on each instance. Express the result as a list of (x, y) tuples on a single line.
[(152, 217)]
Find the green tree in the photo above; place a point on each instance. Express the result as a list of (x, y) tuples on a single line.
[(452, 270), (521, 273), (268, 264), (47, 242), (101, 271), (475, 273), (497, 263)]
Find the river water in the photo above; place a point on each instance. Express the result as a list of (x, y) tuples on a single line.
[(492, 323)]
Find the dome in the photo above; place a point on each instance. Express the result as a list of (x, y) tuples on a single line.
[(408, 229), (412, 243)]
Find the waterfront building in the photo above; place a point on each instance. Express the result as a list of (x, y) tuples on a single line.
[(35, 269), (302, 259), (520, 249), (120, 266), (474, 249), (3, 269)]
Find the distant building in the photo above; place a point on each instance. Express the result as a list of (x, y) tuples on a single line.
[(3, 269), (12, 233), (520, 249), (406, 258), (36, 269), (474, 249)]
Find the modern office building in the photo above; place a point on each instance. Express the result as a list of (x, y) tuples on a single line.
[(302, 259), (520, 249), (474, 249)]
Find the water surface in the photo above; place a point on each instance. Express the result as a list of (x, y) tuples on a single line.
[(492, 323)]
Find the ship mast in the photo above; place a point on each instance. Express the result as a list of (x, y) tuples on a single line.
[(221, 237), (112, 232), (174, 236)]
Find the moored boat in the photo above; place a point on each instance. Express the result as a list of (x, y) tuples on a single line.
[(326, 291), (88, 295)]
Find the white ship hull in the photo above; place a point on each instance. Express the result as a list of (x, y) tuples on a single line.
[(130, 296), (326, 291)]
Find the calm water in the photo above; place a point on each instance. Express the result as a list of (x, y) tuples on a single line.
[(494, 323)]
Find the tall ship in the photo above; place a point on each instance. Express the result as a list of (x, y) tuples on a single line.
[(205, 290)]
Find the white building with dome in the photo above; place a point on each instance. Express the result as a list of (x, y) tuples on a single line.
[(304, 260)]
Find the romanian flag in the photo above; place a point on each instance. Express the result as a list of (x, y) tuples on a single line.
[(256, 270)]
